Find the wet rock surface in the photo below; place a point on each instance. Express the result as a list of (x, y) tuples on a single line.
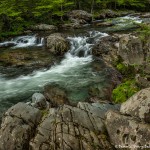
[(55, 94)]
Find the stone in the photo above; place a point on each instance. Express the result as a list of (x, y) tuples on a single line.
[(80, 16), (18, 126), (107, 48), (104, 24), (143, 82), (131, 49), (126, 132), (57, 44), (39, 101), (138, 105), (44, 27), (73, 128), (55, 94)]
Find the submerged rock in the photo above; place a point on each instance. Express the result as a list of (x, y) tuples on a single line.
[(57, 44), (55, 94)]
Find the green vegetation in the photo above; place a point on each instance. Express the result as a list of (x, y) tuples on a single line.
[(144, 31), (17, 15), (125, 91), (128, 87), (128, 71)]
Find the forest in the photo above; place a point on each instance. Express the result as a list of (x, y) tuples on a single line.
[(16, 15)]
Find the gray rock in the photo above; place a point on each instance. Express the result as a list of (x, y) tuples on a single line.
[(57, 44), (44, 27), (142, 81), (138, 105), (18, 127), (72, 128), (131, 49), (80, 16), (39, 101), (107, 49), (126, 132)]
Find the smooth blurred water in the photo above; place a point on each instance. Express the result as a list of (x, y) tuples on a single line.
[(74, 72)]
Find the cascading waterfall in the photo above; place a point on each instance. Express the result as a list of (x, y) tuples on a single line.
[(73, 71), (24, 41)]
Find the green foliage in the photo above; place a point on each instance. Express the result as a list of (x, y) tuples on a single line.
[(126, 70), (144, 31), (124, 91), (14, 14)]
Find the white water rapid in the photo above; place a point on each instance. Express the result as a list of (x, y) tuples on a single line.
[(73, 71), (24, 41)]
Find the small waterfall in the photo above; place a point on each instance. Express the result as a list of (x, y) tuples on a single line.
[(24, 41), (81, 46)]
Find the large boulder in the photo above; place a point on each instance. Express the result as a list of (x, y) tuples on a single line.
[(107, 48), (138, 105), (44, 27), (131, 49), (80, 16), (57, 44), (130, 128), (126, 132), (18, 127)]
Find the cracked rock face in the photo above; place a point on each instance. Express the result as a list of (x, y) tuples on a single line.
[(18, 126), (138, 105), (72, 128), (62, 128)]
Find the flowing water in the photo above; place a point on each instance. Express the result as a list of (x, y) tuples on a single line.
[(24, 41), (74, 73)]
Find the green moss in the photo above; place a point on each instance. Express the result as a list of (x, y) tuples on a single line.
[(144, 31), (124, 91), (128, 71)]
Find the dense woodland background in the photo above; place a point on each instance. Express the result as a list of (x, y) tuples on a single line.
[(16, 15)]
